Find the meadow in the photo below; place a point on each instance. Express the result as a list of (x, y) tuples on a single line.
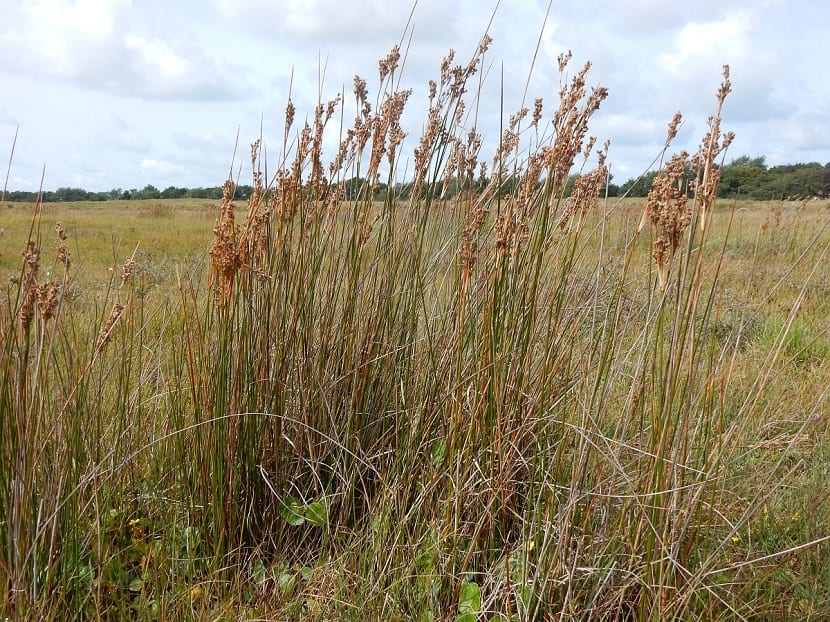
[(508, 404)]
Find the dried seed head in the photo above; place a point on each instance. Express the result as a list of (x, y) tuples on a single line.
[(517, 118), (290, 110), (31, 258), (106, 330), (254, 152), (127, 272), (726, 85), (707, 174), (224, 252), (331, 107), (388, 65), (27, 309), (589, 147), (674, 124), (537, 112), (563, 60), (585, 193), (63, 252), (446, 63), (48, 297), (64, 256), (360, 92), (570, 124), (669, 212)]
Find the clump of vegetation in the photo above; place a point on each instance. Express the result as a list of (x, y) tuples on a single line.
[(510, 402)]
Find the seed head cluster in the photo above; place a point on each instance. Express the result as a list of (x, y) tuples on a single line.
[(670, 212), (587, 188), (224, 253), (668, 208), (41, 299)]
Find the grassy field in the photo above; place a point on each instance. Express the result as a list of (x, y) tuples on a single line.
[(508, 405)]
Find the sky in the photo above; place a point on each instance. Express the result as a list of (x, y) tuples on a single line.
[(107, 94)]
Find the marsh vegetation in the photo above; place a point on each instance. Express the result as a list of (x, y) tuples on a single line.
[(510, 404)]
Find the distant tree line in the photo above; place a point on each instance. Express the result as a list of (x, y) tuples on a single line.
[(751, 178), (743, 178), (133, 194)]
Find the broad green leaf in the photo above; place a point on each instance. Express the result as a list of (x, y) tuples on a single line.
[(316, 514), (258, 572), (136, 585), (291, 511), (469, 602), (437, 453), (286, 582)]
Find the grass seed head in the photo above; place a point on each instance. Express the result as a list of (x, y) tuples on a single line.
[(106, 330), (290, 111), (537, 112), (224, 253), (48, 297), (63, 251), (669, 211), (388, 65), (586, 190), (127, 272)]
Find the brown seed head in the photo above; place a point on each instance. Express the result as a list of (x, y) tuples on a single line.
[(388, 65), (563, 59), (289, 116), (674, 124), (48, 296), (669, 212), (127, 272), (537, 112), (106, 330), (360, 91)]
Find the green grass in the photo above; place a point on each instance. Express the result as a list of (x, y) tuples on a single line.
[(418, 409)]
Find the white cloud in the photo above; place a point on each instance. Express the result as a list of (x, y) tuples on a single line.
[(102, 44), (125, 93), (8, 119), (808, 134), (336, 22), (158, 55), (154, 167), (700, 42)]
